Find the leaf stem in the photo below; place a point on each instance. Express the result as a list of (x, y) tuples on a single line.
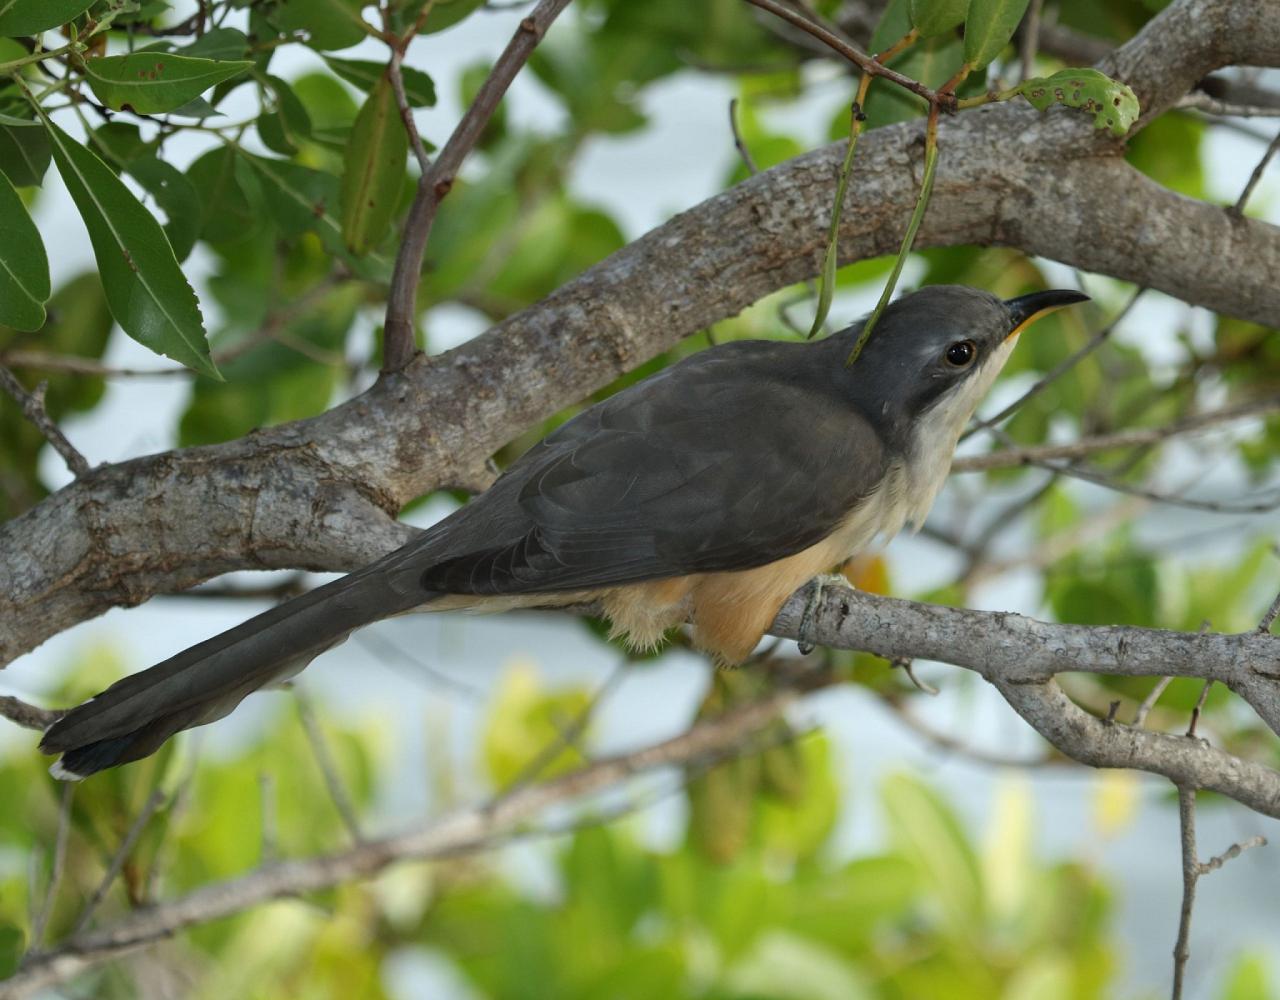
[(829, 263), (926, 189), (35, 57)]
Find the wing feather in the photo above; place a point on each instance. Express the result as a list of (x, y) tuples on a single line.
[(729, 460)]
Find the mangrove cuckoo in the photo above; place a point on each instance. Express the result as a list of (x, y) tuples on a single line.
[(706, 493)]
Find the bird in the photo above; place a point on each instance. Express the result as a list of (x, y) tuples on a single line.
[(706, 493)]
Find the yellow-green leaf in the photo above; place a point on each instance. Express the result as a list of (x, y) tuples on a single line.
[(24, 268), (146, 290), (1113, 104), (155, 82), (988, 28), (374, 170)]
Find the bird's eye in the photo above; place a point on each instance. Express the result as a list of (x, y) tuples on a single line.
[(961, 353)]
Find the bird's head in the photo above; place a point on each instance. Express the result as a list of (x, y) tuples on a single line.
[(934, 354)]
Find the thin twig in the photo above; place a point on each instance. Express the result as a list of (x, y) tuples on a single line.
[(465, 830), (906, 665), (859, 58), (41, 921), (1238, 208), (1199, 707), (1190, 875), (1057, 371), (118, 860), (738, 143), (1029, 41), (1009, 457), (270, 849), (1149, 702), (1192, 869), (391, 653), (569, 735), (32, 404), (944, 741), (27, 715), (1270, 617), (435, 182), (328, 766)]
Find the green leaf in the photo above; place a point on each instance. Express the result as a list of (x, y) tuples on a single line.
[(445, 13), (12, 945), (328, 24), (26, 17), (988, 28), (1113, 105), (285, 124), (374, 170), (928, 834), (298, 198), (24, 268), (225, 213), (933, 17), (155, 82), (24, 151), (118, 144), (148, 294), (221, 44), (419, 88), (526, 724), (176, 195)]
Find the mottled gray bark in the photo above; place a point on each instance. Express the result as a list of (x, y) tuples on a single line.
[(322, 493)]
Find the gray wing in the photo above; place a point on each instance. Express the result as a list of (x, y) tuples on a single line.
[(734, 458)]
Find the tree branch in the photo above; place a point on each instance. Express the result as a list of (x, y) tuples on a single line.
[(1034, 455), (435, 182), (469, 829), (320, 493), (1017, 653), (32, 404)]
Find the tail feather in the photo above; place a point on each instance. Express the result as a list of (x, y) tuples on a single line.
[(133, 717)]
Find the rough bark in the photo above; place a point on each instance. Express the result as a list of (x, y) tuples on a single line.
[(322, 493)]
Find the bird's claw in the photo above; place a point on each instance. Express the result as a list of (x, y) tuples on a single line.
[(806, 641)]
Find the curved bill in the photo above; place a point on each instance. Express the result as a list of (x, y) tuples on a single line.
[(1026, 309)]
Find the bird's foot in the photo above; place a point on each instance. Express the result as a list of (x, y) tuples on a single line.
[(806, 640)]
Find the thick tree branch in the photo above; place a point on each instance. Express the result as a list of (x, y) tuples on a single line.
[(321, 493)]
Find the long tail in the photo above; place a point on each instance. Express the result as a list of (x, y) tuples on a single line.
[(133, 717)]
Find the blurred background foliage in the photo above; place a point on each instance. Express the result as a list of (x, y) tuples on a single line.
[(747, 900)]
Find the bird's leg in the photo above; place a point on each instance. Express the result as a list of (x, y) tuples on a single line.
[(806, 641)]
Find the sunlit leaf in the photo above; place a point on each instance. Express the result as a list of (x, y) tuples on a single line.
[(155, 82), (146, 290), (927, 832), (24, 267), (527, 723), (1113, 104)]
